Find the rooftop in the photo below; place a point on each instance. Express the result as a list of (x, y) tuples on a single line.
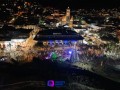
[(58, 34)]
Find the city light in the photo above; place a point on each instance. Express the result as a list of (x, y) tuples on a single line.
[(18, 40), (68, 46), (70, 52)]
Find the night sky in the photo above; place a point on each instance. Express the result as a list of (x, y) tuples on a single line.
[(75, 4)]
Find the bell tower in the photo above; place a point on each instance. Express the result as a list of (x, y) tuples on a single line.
[(68, 12), (67, 19), (68, 15)]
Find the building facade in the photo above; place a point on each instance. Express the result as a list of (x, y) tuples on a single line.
[(67, 19)]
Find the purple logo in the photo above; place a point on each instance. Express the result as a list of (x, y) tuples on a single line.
[(50, 83)]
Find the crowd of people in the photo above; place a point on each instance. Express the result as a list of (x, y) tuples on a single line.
[(86, 53)]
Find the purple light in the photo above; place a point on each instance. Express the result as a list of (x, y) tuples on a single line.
[(46, 57), (50, 83), (70, 52)]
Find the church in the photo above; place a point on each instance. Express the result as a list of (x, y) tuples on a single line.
[(67, 19)]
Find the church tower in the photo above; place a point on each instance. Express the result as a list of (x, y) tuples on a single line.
[(68, 12), (68, 15), (71, 22), (67, 19)]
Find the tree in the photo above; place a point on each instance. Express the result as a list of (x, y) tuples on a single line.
[(54, 56)]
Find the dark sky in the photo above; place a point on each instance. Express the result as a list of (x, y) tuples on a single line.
[(76, 4), (81, 3)]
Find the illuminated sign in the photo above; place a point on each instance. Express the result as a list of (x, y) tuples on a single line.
[(59, 83), (52, 83)]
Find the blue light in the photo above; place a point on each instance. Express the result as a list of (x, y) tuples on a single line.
[(70, 52), (59, 83)]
